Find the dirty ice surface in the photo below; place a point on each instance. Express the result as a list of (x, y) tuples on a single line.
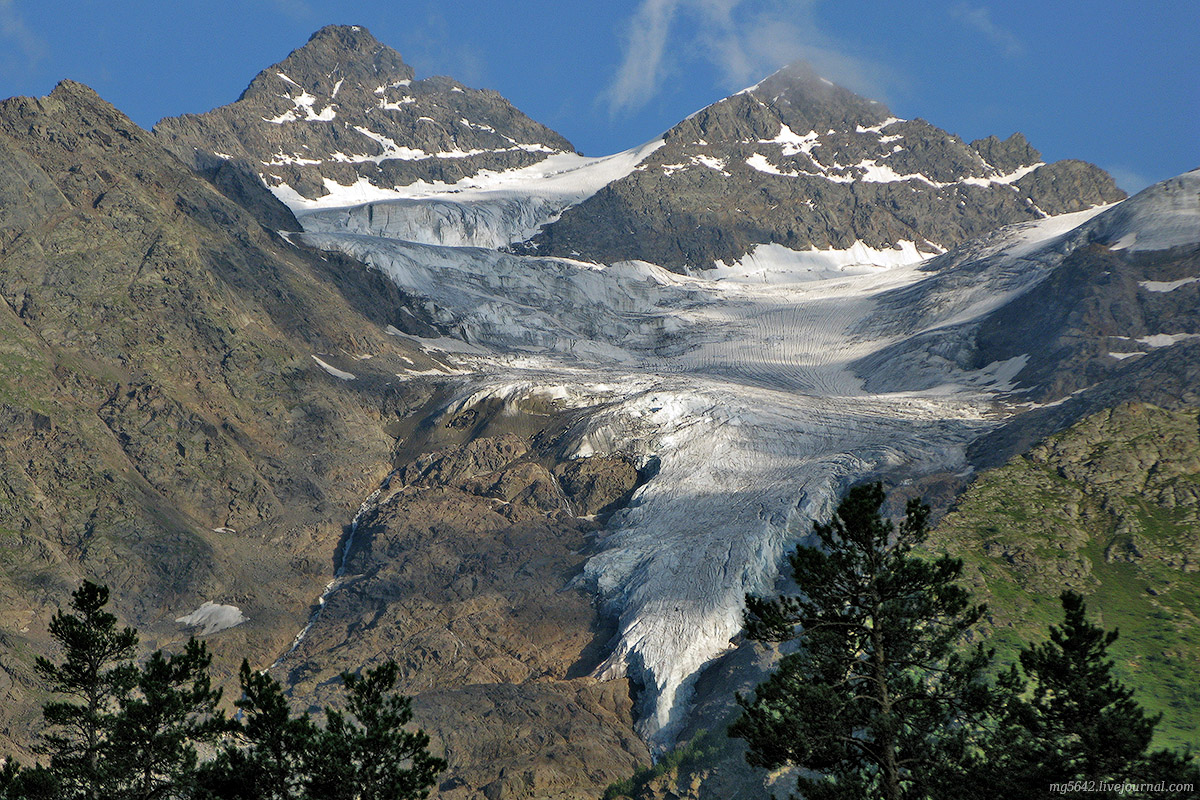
[(741, 384), (212, 617)]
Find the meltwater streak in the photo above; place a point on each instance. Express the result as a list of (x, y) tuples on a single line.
[(338, 573)]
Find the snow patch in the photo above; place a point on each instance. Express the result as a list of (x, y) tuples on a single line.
[(212, 617), (302, 108), (334, 371), (879, 128), (1164, 286), (1167, 339), (759, 162), (792, 143)]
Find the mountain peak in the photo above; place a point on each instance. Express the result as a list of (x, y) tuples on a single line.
[(332, 54), (344, 109), (799, 162), (806, 100), (348, 36)]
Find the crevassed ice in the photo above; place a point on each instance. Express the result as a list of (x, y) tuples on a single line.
[(745, 392), (742, 383)]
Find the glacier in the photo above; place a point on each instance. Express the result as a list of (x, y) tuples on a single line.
[(746, 384)]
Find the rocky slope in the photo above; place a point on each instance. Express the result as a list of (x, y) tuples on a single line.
[(345, 110), (802, 164), (192, 408), (462, 571), (165, 427)]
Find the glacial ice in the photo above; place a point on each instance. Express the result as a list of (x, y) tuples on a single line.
[(744, 384), (744, 393)]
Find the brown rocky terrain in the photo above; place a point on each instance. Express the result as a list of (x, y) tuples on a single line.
[(462, 572), (167, 430), (165, 427)]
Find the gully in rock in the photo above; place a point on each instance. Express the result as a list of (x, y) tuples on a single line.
[(339, 572)]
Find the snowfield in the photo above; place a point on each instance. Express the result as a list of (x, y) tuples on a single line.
[(745, 384)]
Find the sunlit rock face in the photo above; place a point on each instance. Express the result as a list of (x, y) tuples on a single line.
[(345, 110), (799, 162)]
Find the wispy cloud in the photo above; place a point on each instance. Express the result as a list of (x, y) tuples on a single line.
[(298, 10), (980, 18), (642, 69), (743, 39), (14, 29), (1130, 180)]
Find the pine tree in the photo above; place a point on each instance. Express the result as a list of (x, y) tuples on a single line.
[(876, 702), (267, 759), (365, 753), (98, 675), (361, 753), (1076, 723), (151, 748)]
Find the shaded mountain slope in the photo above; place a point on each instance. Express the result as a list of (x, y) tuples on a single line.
[(799, 162), (163, 424)]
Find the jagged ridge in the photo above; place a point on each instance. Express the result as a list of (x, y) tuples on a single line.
[(345, 108), (798, 161)]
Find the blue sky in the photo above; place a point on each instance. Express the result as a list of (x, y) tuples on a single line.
[(1110, 82)]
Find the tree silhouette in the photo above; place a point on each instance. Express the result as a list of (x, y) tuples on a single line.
[(876, 702)]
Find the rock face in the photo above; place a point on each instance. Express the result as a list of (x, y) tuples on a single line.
[(346, 109), (462, 571), (805, 164), (163, 424)]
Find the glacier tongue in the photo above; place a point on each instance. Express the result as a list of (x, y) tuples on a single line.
[(745, 393)]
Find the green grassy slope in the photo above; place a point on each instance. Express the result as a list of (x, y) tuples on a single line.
[(1109, 508)]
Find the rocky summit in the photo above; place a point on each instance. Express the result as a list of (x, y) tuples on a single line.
[(361, 367), (798, 162), (346, 109)]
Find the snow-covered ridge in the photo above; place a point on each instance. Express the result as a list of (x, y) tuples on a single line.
[(488, 209), (1160, 217)]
